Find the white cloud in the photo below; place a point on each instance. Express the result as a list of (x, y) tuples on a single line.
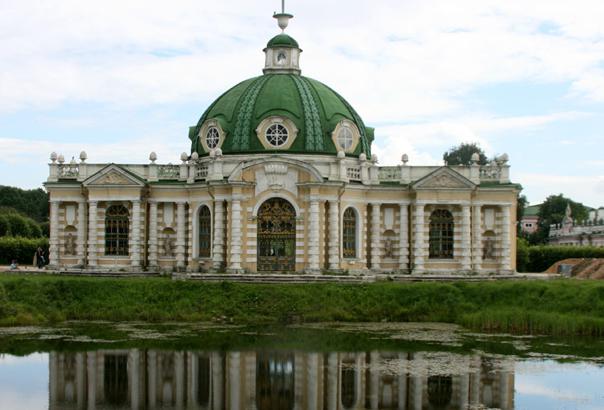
[(537, 389), (588, 189), (420, 57)]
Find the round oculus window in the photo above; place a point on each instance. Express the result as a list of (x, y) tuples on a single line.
[(212, 137), (276, 135), (345, 138)]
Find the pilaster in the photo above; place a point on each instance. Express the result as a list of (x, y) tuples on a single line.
[(53, 251), (334, 235), (180, 235), (152, 242), (235, 256), (375, 236), (313, 245), (477, 238), (135, 249), (418, 246), (92, 234), (403, 242), (505, 239), (466, 245), (218, 240), (81, 240)]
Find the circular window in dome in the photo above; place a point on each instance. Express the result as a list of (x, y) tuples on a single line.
[(276, 135), (345, 138), (212, 137)]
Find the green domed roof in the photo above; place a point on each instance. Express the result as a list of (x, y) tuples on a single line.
[(282, 40), (313, 107)]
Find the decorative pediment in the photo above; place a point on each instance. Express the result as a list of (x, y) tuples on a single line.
[(114, 175), (444, 178)]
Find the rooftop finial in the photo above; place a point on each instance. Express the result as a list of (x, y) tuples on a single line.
[(283, 17)]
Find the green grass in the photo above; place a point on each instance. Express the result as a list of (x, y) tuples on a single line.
[(563, 307)]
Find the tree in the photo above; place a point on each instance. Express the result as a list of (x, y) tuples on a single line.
[(552, 211), (462, 154), (521, 204), (30, 202)]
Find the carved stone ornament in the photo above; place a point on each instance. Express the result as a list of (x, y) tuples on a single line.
[(112, 178), (70, 245), (444, 181)]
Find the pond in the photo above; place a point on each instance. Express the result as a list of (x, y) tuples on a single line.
[(326, 366)]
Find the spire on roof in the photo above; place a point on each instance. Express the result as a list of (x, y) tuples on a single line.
[(283, 17)]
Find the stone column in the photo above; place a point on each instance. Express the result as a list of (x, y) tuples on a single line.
[(466, 244), (152, 243), (151, 379), (464, 390), (313, 242), (313, 381), (332, 381), (217, 380), (135, 249), (403, 241), (53, 251), (477, 238), (374, 380), (180, 236), (235, 254), (234, 360), (218, 240), (134, 367), (505, 239), (91, 367), (179, 379), (375, 236), (418, 247), (80, 379), (402, 382), (334, 235), (92, 234), (81, 240)]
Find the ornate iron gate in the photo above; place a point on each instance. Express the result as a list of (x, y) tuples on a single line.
[(276, 236)]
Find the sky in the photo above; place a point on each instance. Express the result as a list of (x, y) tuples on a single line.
[(120, 79)]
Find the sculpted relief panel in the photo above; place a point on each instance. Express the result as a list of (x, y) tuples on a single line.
[(112, 178), (275, 177)]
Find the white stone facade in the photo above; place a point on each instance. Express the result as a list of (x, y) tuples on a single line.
[(393, 207)]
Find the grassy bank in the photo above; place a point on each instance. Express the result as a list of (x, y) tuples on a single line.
[(565, 307)]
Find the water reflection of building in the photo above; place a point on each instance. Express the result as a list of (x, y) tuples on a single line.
[(151, 379)]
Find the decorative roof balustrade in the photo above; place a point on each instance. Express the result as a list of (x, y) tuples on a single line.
[(168, 171), (389, 173), (201, 171), (490, 172), (353, 173), (68, 171)]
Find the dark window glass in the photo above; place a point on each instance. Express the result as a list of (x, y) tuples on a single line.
[(441, 234), (350, 234), (205, 232), (116, 230)]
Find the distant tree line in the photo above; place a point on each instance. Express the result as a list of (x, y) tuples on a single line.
[(23, 213)]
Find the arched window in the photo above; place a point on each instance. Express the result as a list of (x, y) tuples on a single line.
[(349, 237), (205, 232), (441, 234), (116, 230)]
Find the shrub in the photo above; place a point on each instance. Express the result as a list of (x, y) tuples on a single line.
[(21, 249), (13, 223), (522, 255)]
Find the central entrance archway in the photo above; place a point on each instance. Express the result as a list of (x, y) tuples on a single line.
[(276, 236)]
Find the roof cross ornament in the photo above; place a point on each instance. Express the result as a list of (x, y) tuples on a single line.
[(283, 17)]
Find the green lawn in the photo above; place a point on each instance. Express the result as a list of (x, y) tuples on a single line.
[(563, 307)]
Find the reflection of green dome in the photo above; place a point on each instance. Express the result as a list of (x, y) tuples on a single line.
[(282, 40), (313, 107)]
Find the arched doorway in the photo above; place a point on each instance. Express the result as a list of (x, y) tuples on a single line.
[(276, 236)]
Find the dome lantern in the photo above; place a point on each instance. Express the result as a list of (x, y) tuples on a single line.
[(282, 51)]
